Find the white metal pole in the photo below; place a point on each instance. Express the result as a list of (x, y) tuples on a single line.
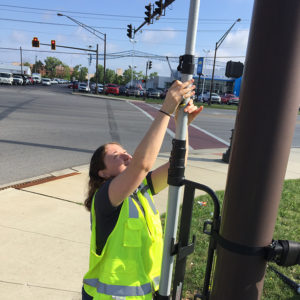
[(175, 191)]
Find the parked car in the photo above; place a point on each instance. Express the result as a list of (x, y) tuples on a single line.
[(6, 78), (73, 85), (93, 87), (46, 81), (111, 89), (17, 79), (54, 81), (152, 93), (122, 90), (230, 99), (83, 87), (215, 98), (132, 91)]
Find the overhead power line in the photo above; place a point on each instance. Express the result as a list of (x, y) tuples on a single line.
[(109, 15), (115, 28), (117, 55)]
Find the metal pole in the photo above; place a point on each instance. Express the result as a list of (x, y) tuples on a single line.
[(175, 191), (21, 60), (104, 75), (97, 72), (212, 76), (262, 139), (144, 96), (203, 73)]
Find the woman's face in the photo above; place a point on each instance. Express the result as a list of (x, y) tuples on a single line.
[(116, 160)]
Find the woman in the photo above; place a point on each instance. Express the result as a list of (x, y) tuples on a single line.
[(126, 242)]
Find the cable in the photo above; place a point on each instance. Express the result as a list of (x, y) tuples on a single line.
[(109, 15)]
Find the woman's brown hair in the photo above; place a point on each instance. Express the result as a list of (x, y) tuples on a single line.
[(95, 181)]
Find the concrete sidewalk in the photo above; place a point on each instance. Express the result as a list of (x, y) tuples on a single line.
[(45, 230)]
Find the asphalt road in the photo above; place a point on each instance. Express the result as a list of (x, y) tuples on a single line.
[(45, 129)]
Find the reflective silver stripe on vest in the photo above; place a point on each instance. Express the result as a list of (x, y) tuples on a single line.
[(156, 281), (119, 290), (133, 212), (143, 189)]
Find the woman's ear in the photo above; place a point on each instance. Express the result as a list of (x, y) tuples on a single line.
[(102, 174)]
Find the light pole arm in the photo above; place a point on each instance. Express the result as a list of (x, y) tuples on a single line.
[(220, 41), (88, 28)]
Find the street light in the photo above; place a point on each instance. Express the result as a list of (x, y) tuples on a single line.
[(94, 32), (218, 43), (206, 54), (132, 54)]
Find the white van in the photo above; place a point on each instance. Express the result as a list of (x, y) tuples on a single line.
[(6, 78)]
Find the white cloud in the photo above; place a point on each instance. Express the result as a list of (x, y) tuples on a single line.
[(161, 36), (235, 44), (18, 37)]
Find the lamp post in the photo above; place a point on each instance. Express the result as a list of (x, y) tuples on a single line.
[(218, 44), (133, 42), (206, 53), (103, 38)]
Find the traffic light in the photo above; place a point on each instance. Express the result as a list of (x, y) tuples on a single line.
[(234, 69), (35, 42), (150, 65), (53, 46), (129, 31), (159, 8), (148, 13)]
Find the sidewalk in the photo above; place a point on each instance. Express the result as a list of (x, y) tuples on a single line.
[(45, 231)]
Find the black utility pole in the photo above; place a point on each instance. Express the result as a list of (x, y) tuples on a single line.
[(146, 81), (265, 123), (218, 44), (21, 60)]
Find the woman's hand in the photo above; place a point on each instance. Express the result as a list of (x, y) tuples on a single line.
[(176, 92), (192, 110)]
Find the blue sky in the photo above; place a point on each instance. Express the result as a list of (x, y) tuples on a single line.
[(165, 37)]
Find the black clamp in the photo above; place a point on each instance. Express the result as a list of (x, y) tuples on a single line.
[(186, 64), (182, 251), (177, 160)]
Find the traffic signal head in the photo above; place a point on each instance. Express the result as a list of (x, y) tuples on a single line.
[(150, 65), (35, 42), (129, 31), (148, 13), (159, 8), (53, 46)]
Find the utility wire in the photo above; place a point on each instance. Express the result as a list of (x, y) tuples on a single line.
[(115, 28), (110, 15)]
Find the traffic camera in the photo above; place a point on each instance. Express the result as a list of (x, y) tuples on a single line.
[(129, 31), (35, 42), (53, 46), (148, 13)]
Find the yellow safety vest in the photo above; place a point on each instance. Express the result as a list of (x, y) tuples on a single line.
[(130, 262)]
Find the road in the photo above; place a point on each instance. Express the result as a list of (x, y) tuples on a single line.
[(45, 129)]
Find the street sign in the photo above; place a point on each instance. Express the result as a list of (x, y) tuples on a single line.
[(200, 65)]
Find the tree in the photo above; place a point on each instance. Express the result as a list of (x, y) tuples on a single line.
[(152, 75), (50, 65), (66, 74), (75, 73), (83, 73), (100, 72), (27, 64), (109, 76), (127, 76), (37, 67)]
